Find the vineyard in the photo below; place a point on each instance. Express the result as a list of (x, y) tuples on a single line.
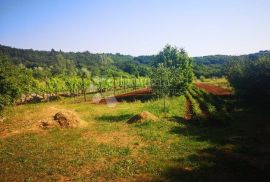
[(74, 86), (206, 107)]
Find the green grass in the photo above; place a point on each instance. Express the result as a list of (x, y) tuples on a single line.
[(174, 107), (202, 100), (110, 149), (214, 106), (197, 113)]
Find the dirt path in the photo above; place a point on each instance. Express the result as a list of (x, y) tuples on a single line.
[(188, 114), (216, 90)]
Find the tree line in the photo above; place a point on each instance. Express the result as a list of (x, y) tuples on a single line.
[(18, 82), (250, 77)]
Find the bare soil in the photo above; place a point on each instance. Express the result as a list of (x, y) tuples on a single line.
[(188, 114), (213, 89), (140, 94)]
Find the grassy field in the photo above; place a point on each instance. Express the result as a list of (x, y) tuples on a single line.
[(109, 149)]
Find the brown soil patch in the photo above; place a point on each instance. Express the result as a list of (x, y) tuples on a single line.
[(142, 117), (140, 94), (188, 114), (213, 89)]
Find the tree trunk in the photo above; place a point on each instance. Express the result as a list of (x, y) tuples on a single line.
[(84, 93), (164, 105), (113, 86), (124, 86)]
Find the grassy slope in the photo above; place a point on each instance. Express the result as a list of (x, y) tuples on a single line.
[(110, 149)]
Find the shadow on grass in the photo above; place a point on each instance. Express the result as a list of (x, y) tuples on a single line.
[(177, 119), (218, 165), (114, 118), (239, 152)]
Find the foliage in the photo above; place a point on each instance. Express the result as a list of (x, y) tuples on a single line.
[(215, 66), (13, 82), (161, 80), (250, 78), (173, 72), (47, 63)]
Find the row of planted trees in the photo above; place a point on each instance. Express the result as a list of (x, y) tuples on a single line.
[(83, 84)]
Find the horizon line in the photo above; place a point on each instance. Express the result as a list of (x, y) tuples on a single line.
[(123, 54)]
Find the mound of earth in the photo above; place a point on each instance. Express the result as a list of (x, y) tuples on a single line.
[(63, 119), (142, 117), (66, 119)]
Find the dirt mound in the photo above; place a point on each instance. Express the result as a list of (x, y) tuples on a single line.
[(66, 119), (62, 119), (142, 117)]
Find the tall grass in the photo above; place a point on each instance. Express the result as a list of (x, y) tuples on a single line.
[(196, 110), (175, 106)]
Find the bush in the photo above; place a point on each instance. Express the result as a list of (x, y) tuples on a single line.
[(250, 78), (202, 78)]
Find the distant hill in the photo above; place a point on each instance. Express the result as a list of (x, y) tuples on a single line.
[(115, 64), (98, 64), (210, 66)]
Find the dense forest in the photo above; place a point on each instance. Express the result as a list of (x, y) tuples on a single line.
[(215, 66), (59, 61), (54, 62)]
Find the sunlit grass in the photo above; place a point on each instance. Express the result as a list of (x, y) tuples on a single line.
[(108, 148)]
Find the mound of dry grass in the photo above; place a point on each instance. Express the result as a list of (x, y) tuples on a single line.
[(142, 117), (62, 119)]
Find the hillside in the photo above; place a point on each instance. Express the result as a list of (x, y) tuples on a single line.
[(98, 64), (215, 65), (118, 64)]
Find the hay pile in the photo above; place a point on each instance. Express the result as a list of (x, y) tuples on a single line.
[(142, 117), (66, 119), (62, 119)]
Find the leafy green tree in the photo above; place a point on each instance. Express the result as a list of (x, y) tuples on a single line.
[(172, 73), (63, 66), (178, 66), (161, 82)]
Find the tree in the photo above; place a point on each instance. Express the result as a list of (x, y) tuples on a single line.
[(84, 74), (172, 72), (63, 66), (161, 82), (179, 67), (14, 81)]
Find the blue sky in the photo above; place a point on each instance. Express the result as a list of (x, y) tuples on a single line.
[(137, 27)]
